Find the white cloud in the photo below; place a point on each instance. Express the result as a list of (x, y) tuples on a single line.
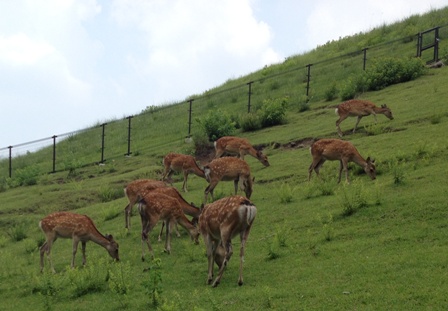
[(19, 49)]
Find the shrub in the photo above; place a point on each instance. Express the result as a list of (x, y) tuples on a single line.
[(250, 122), (331, 93), (273, 112), (388, 71), (17, 232), (217, 124), (27, 176)]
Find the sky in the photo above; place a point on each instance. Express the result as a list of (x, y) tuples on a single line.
[(70, 64)]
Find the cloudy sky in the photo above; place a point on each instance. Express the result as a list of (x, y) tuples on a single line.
[(69, 64)]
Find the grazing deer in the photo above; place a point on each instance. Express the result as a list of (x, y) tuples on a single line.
[(188, 208), (158, 206), (80, 228), (226, 169), (341, 150), (238, 146), (219, 222), (135, 190), (175, 162), (359, 108)]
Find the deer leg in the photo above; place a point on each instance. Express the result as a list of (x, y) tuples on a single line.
[(235, 184), (83, 248), (184, 186), (147, 226), (127, 216), (211, 249), (316, 165), (75, 249), (356, 124), (208, 190), (159, 238), (338, 122), (169, 224), (228, 248), (44, 249)]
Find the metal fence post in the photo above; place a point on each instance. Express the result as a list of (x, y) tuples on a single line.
[(189, 117), (308, 77), (10, 162), (102, 143), (364, 59), (129, 136), (250, 93), (54, 153)]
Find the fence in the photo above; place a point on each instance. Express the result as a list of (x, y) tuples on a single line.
[(122, 137)]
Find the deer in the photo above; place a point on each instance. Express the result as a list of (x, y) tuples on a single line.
[(158, 206), (341, 150), (226, 169), (238, 146), (188, 208), (221, 221), (80, 228), (359, 108), (176, 162), (136, 189)]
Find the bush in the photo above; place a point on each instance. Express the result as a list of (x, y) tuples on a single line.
[(217, 124), (388, 71), (331, 93), (27, 176), (250, 122), (273, 112)]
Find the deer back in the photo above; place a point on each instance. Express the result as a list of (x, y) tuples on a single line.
[(230, 215), (188, 208), (227, 168)]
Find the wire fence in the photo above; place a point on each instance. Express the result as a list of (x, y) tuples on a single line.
[(131, 133)]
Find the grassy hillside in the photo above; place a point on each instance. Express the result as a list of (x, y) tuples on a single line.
[(319, 245)]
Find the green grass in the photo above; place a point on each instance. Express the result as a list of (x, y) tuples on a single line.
[(305, 252)]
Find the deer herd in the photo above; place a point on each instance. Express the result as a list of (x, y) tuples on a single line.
[(218, 222)]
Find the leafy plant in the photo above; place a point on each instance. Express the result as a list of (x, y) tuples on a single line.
[(250, 122), (18, 232), (217, 124), (273, 112), (286, 193)]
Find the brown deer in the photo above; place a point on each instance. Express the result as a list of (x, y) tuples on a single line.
[(80, 228), (239, 146), (341, 150), (221, 221), (136, 189), (359, 108), (176, 162), (158, 206), (226, 169), (188, 208)]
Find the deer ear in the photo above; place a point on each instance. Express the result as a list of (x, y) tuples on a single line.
[(109, 237), (368, 159)]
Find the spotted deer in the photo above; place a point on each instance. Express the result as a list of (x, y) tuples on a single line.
[(359, 108), (342, 151), (176, 162), (136, 189), (227, 169), (238, 146), (221, 221), (158, 206), (79, 228), (188, 208)]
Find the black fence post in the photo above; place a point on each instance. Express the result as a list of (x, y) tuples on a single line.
[(190, 109), (250, 93), (54, 153), (10, 162), (129, 136), (308, 77), (102, 143), (364, 59)]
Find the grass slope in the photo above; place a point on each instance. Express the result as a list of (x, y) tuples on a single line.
[(370, 245)]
